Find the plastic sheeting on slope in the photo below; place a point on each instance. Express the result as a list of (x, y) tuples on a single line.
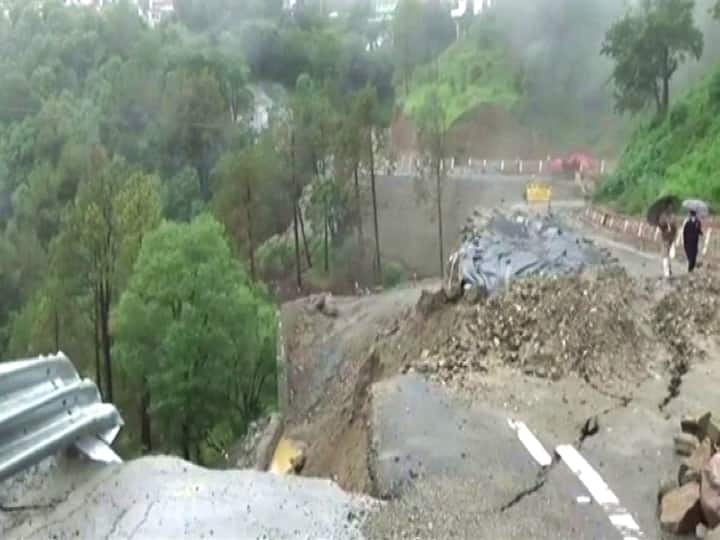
[(506, 248)]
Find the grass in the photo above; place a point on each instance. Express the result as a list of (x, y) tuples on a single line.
[(679, 155), (470, 73)]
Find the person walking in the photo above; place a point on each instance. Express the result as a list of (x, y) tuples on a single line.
[(668, 232), (692, 231)]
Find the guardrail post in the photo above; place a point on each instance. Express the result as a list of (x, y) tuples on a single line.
[(502, 165), (707, 242), (540, 166), (520, 166), (602, 166)]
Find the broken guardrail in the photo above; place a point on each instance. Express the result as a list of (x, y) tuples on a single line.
[(45, 407)]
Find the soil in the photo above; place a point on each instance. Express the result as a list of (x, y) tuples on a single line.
[(486, 132)]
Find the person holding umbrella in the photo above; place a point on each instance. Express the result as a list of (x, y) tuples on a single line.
[(661, 215), (692, 231), (668, 232)]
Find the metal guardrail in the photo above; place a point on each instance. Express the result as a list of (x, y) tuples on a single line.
[(45, 407)]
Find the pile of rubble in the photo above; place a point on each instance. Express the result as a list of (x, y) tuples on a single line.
[(691, 503), (689, 312), (547, 328)]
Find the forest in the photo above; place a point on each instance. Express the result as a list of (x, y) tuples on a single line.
[(150, 220)]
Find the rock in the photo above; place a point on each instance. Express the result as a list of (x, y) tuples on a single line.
[(297, 462), (476, 294), (319, 303), (691, 468), (710, 491), (680, 510), (691, 426), (685, 444), (430, 302)]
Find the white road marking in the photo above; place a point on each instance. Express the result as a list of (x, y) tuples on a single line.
[(618, 516), (533, 445)]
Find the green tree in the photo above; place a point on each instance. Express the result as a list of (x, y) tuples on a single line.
[(421, 31), (199, 337), (195, 120), (104, 228), (369, 120), (647, 46), (433, 130)]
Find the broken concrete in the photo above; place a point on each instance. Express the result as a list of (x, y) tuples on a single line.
[(691, 468), (685, 444), (680, 509), (710, 491), (164, 497)]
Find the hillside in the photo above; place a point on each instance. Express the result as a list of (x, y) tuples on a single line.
[(473, 72), (679, 155)]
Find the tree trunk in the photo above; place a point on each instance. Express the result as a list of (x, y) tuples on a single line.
[(145, 423), (326, 231), (185, 441), (96, 341), (438, 172), (358, 206), (308, 257), (298, 270), (56, 328), (378, 262), (665, 95), (105, 339), (251, 238)]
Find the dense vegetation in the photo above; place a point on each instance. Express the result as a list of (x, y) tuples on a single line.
[(142, 208), (677, 154), (675, 151)]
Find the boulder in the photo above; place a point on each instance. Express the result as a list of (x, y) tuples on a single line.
[(430, 302), (680, 510), (710, 492), (691, 468), (708, 428), (691, 426), (685, 444)]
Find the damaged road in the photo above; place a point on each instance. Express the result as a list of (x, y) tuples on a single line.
[(458, 470)]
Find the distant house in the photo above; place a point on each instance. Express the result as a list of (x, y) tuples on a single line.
[(157, 10)]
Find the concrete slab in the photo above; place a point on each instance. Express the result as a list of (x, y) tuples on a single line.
[(164, 497)]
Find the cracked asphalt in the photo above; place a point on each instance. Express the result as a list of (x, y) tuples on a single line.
[(166, 498), (458, 470)]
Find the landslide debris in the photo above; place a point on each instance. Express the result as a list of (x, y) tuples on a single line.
[(682, 318), (549, 327)]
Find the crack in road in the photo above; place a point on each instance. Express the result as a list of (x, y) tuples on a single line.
[(29, 507), (540, 482), (678, 370), (524, 493)]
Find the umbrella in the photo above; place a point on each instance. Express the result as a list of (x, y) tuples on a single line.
[(700, 207), (669, 204)]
